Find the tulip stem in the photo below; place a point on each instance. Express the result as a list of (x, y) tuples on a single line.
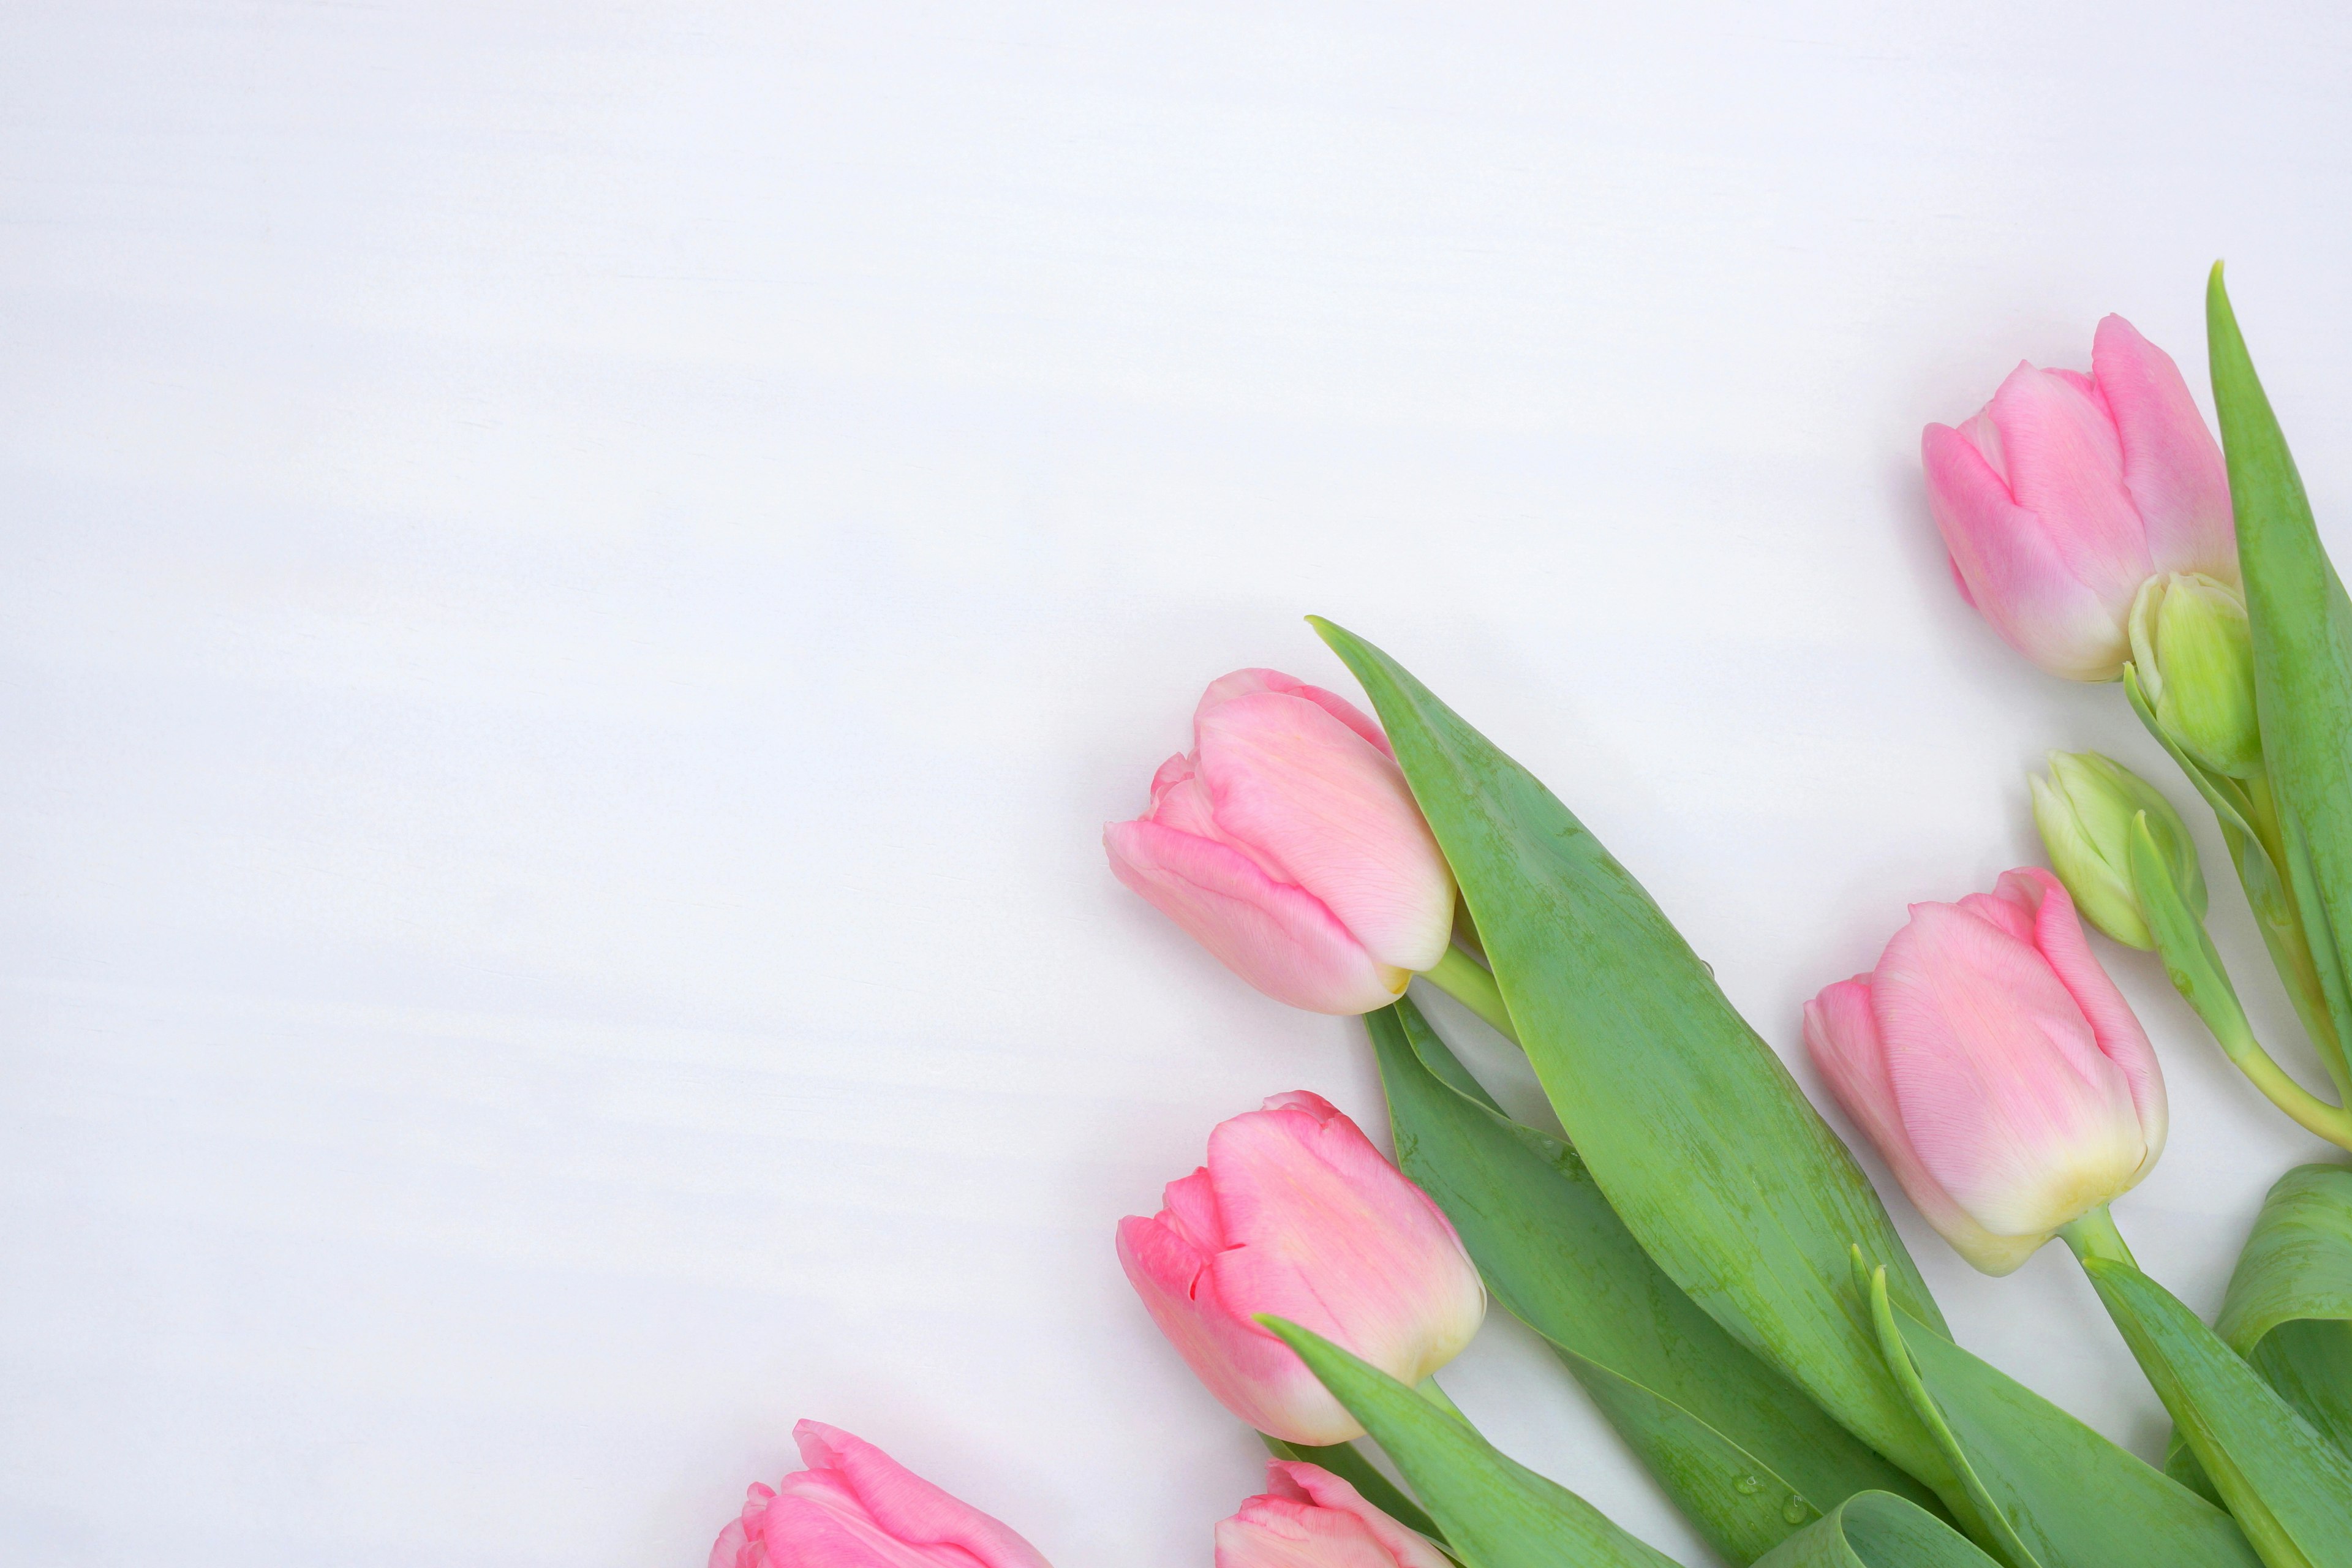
[(2195, 970), (2290, 941), (1465, 980), (2095, 1234)]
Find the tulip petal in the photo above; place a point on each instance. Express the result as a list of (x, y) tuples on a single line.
[(1254, 1374), (1302, 1482), (1189, 1205), (2058, 937), (1279, 938), (2065, 464), (1328, 1235), (1308, 1518), (907, 1507), (2002, 1090), (1311, 797), (1841, 1037), (1241, 682), (2172, 467), (2013, 570)]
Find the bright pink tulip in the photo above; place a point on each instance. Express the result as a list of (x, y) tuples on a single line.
[(1309, 1517), (2067, 491), (1289, 846), (1298, 1214), (855, 1506), (1996, 1067)]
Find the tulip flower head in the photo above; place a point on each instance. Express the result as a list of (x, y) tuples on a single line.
[(855, 1507), (1309, 1517), (2085, 809), (1287, 844), (1996, 1067), (2067, 491), (1296, 1214)]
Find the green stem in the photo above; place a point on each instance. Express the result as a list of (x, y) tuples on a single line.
[(2095, 1236), (1461, 977), (2290, 942), (2195, 969)]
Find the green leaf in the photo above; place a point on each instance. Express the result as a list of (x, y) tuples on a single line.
[(2302, 625), (2069, 1497), (1495, 1513), (1737, 1446), (1873, 1529), (1695, 1130), (2290, 1488), (1345, 1461), (2289, 1306)]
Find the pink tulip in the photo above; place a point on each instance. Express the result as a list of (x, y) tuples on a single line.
[(1309, 1517), (1996, 1067), (1298, 1214), (855, 1507), (1289, 846), (2067, 491)]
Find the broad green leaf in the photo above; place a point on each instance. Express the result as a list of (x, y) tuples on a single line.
[(2070, 1498), (2289, 1488), (2302, 625), (1739, 1448), (1875, 1529), (1694, 1129), (2289, 1307), (1343, 1460), (1495, 1513)]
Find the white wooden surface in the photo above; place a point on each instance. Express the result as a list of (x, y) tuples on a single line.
[(581, 578)]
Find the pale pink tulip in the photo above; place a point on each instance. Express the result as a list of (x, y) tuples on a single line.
[(1297, 1214), (1289, 846), (1996, 1067), (2067, 491), (855, 1507), (1309, 1517)]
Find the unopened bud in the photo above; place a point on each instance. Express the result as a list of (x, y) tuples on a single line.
[(2196, 661), (2084, 810)]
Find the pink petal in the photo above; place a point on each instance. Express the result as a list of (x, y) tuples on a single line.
[(2058, 937), (1295, 1481), (2002, 1088), (2013, 571), (1241, 682), (1255, 1375), (1279, 938), (1190, 1206), (1841, 1037), (1314, 799), (1329, 1234), (2065, 465), (2172, 467), (909, 1509)]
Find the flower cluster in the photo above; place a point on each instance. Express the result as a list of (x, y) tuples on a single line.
[(1709, 1258)]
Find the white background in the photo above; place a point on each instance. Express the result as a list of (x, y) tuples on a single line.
[(581, 580)]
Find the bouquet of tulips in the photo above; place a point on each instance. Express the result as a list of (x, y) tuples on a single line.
[(1691, 1236)]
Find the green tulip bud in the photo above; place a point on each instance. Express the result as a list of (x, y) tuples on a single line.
[(2084, 810), (2196, 662)]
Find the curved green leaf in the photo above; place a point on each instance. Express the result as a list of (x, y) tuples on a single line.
[(1741, 1450), (1701, 1141), (1873, 1529), (2289, 1306), (2290, 1488), (1495, 1513), (2072, 1498), (2302, 625)]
